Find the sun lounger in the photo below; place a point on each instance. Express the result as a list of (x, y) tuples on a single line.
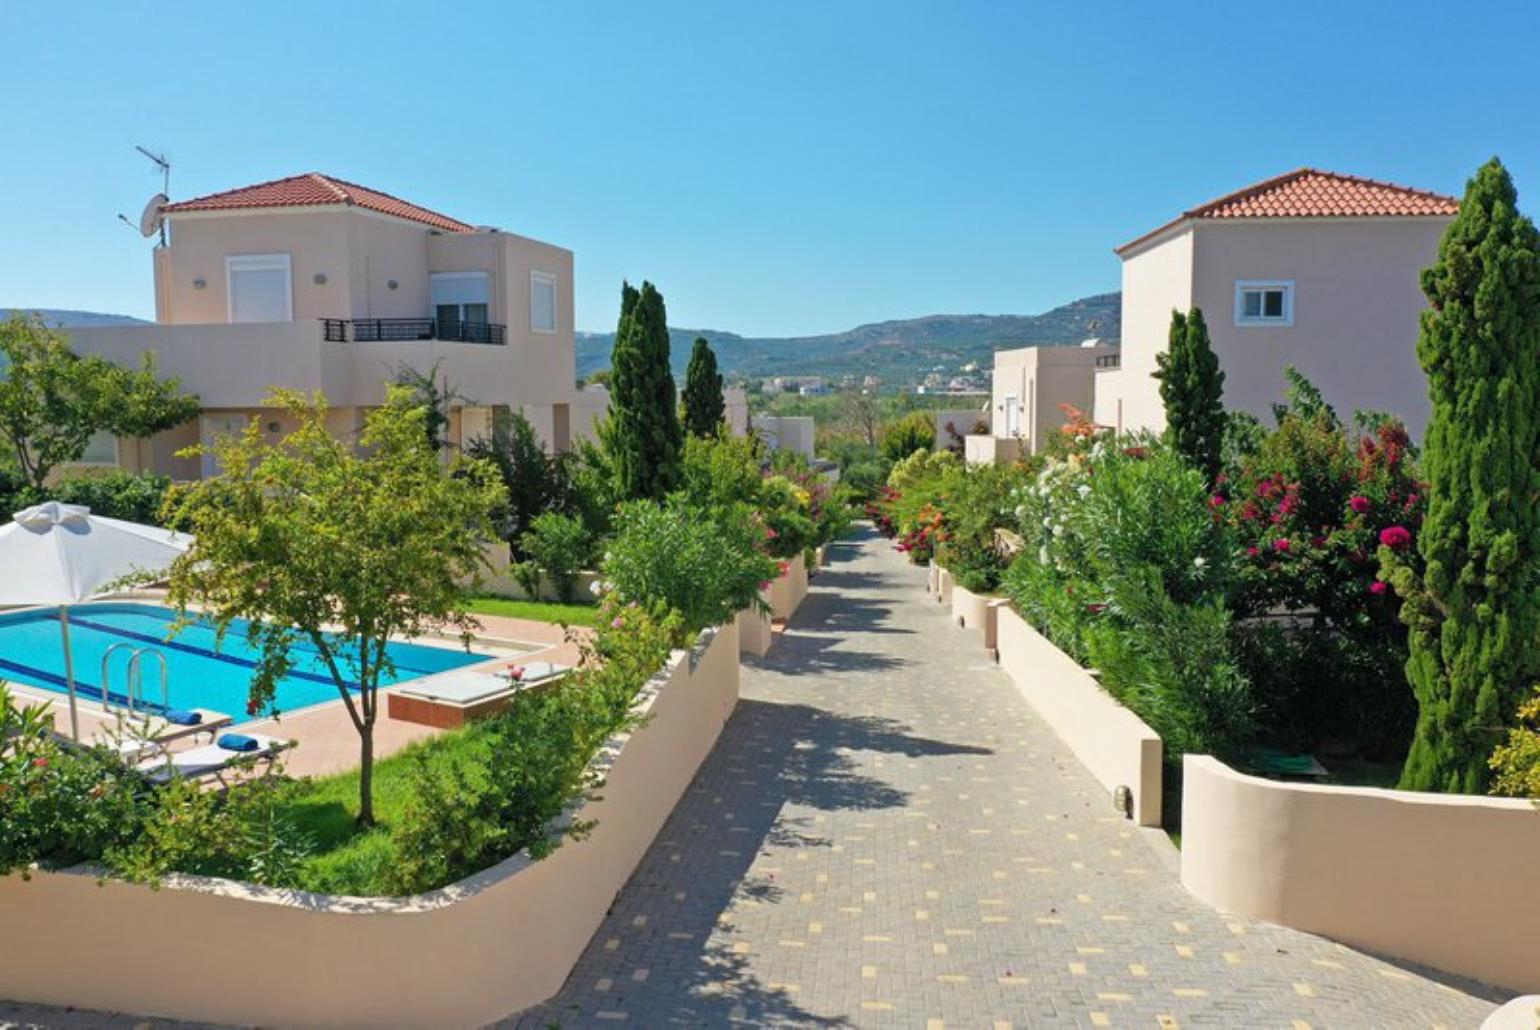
[(209, 760), (135, 745)]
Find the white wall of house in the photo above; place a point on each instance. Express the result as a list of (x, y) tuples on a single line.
[(1157, 279), (1032, 385)]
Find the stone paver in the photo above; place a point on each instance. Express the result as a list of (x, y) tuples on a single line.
[(886, 835)]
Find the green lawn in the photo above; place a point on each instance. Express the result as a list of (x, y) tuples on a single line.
[(345, 859), (538, 611)]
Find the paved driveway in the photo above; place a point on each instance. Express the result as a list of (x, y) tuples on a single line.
[(886, 835)]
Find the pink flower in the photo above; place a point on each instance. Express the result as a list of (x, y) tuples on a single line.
[(784, 567), (1360, 504), (1318, 541), (764, 584), (1395, 537), (40, 763), (1216, 501), (1096, 609), (770, 533), (1252, 552), (1281, 544), (616, 622), (1378, 587)]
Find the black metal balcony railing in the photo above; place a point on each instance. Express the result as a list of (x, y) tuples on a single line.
[(375, 330), (1109, 360)]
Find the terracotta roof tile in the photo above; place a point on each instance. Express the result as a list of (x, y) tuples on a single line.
[(1310, 193), (313, 188)]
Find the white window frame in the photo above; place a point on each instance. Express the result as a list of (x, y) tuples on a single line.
[(1244, 286), (258, 263), (549, 279)]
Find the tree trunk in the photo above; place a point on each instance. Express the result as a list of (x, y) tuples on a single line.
[(366, 774)]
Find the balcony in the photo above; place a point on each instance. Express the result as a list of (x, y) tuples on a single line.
[(1108, 362), (387, 330)]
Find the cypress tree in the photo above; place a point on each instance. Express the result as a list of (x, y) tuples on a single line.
[(703, 404), (643, 436), (1474, 612), (1192, 389)]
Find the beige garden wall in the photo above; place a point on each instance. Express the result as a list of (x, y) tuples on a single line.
[(1436, 879), (1109, 739), (495, 943)]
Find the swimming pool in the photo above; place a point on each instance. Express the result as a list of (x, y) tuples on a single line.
[(198, 676)]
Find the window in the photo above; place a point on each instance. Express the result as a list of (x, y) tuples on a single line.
[(542, 302), (260, 288), (1264, 302), (1012, 415), (460, 297), (101, 449)]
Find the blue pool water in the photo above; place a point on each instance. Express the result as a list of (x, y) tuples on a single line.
[(199, 676)]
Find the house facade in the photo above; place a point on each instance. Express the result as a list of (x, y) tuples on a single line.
[(1311, 269), (1031, 386), (313, 283)]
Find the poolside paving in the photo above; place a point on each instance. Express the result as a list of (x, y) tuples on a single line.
[(887, 835)]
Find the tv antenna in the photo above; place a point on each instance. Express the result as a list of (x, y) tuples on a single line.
[(153, 219)]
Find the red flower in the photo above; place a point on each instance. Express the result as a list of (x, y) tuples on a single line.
[(1096, 609), (1216, 501), (1378, 587), (1360, 504), (1395, 537), (40, 763), (252, 706), (1252, 552), (1318, 541), (1281, 544)]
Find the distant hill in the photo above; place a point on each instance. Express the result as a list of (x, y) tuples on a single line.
[(67, 319), (899, 351)]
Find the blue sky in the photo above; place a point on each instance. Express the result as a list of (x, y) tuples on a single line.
[(776, 168)]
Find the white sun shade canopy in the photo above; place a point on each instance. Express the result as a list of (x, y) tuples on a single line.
[(62, 554)]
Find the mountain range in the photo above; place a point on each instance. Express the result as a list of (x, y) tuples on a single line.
[(900, 351), (67, 318)]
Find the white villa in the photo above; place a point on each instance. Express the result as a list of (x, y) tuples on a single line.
[(314, 283)]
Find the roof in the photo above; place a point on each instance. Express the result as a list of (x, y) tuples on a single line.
[(313, 189), (1311, 193)]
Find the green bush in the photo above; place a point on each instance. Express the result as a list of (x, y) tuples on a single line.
[(132, 496), (560, 546), (916, 431), (705, 564)]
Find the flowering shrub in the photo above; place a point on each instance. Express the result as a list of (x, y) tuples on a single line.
[(1126, 570), (560, 547), (1311, 509)]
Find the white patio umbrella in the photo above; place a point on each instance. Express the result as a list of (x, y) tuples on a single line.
[(61, 554)]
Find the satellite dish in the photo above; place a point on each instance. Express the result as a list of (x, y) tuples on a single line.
[(149, 222)]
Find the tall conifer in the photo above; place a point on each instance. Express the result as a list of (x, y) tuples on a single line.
[(643, 437), (1192, 389), (703, 403)]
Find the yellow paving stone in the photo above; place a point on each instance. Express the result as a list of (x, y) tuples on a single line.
[(935, 1024), (788, 943), (1078, 968), (1113, 996), (877, 938), (784, 988), (1091, 950), (741, 948), (1012, 981), (1190, 992), (1002, 1024), (1299, 1024), (604, 984), (997, 919), (876, 1006), (1049, 921), (850, 910), (1114, 917), (991, 901), (1233, 957), (951, 978), (866, 861), (806, 897), (927, 865), (822, 878), (639, 921), (1237, 929), (1100, 1019), (932, 895), (868, 895), (1136, 969), (612, 944), (1394, 974), (938, 948), (1084, 899), (1328, 963), (639, 975), (815, 928), (868, 972), (1180, 928), (958, 933), (1077, 866), (921, 915), (1304, 990), (1168, 1022), (1184, 951)]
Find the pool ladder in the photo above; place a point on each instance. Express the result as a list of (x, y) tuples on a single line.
[(133, 688)]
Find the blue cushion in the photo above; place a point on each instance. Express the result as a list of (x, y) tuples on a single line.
[(184, 717), (238, 742)]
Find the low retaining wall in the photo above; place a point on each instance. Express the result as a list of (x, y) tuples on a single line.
[(1112, 742), (969, 609), (466, 955), (1432, 878), (755, 633), (788, 591), (499, 581)]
